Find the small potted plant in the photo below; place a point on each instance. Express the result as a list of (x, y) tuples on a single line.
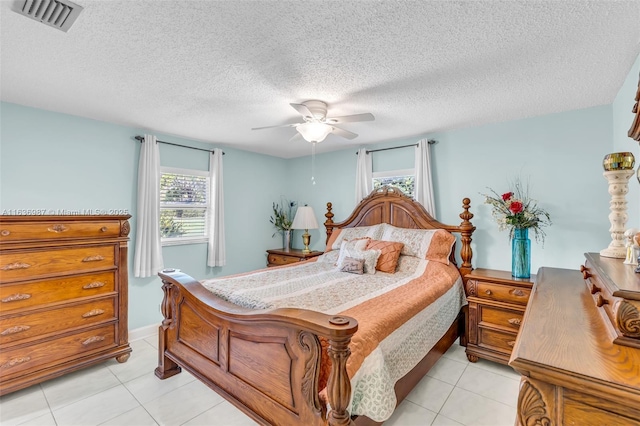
[(282, 218)]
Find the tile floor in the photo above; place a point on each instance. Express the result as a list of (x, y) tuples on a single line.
[(454, 392)]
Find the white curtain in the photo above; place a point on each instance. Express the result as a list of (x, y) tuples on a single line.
[(148, 255), (364, 184), (424, 185), (217, 252)]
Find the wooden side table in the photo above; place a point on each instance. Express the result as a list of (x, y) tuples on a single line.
[(277, 257), (497, 302)]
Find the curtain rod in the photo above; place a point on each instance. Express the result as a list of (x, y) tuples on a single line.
[(141, 139), (429, 141)]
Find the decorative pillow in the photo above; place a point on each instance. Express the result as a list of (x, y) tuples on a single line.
[(417, 242), (353, 266), (339, 235), (370, 257), (441, 245), (389, 254)]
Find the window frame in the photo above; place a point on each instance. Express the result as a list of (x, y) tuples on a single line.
[(395, 173), (176, 241)]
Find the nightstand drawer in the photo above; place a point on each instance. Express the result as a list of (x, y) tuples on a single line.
[(496, 340), (503, 318), (503, 293), (278, 259)]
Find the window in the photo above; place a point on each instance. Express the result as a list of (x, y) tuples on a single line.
[(184, 206), (403, 179)]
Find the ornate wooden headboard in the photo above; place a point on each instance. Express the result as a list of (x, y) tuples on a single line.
[(390, 205), (634, 130)]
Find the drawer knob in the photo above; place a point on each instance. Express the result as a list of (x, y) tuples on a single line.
[(601, 301), (595, 289), (514, 321), (4, 232), (511, 343), (94, 284), (16, 265), (103, 229), (16, 361), (16, 297), (96, 258), (93, 339), (489, 292), (57, 228), (14, 330), (93, 313), (518, 292)]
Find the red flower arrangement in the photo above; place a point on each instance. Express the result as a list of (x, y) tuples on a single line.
[(515, 209)]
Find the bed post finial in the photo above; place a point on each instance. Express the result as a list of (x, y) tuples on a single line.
[(466, 229), (329, 222)]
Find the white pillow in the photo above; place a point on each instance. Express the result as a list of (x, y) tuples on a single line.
[(370, 257), (374, 232), (416, 241)]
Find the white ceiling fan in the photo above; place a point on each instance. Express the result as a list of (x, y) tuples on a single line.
[(316, 125)]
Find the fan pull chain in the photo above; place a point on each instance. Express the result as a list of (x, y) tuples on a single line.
[(313, 163)]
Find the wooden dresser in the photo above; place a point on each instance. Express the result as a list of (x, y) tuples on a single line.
[(496, 306), (573, 372), (277, 257), (63, 295)]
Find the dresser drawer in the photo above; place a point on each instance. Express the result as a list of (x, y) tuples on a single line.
[(48, 230), (278, 259), (58, 320), (503, 293), (503, 318), (18, 265), (34, 357), (496, 340), (57, 290)]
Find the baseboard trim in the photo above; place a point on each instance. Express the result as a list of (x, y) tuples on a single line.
[(143, 332)]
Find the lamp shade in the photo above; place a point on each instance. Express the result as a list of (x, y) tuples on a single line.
[(314, 132), (305, 219)]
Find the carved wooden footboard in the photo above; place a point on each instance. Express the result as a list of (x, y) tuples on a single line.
[(267, 363)]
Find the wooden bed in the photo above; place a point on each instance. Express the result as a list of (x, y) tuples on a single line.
[(267, 362)]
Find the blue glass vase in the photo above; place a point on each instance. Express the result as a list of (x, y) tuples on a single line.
[(521, 253)]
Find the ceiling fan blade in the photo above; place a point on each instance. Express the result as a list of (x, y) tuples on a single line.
[(344, 133), (303, 110), (273, 127), (350, 118)]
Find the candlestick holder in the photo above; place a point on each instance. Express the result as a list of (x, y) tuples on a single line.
[(618, 189)]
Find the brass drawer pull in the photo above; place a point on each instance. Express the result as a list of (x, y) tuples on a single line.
[(15, 329), (96, 258), (489, 292), (57, 228), (595, 289), (16, 361), (16, 265), (601, 301), (511, 343), (514, 321), (93, 313), (93, 339), (16, 297), (95, 284), (518, 293), (5, 233)]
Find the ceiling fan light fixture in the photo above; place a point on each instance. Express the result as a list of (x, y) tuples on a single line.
[(314, 132)]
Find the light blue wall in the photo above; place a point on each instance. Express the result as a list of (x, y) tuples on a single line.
[(622, 118), (560, 154), (61, 162)]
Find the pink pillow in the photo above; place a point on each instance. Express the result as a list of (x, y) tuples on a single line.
[(440, 247), (389, 254)]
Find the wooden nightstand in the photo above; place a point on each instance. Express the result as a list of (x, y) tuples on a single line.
[(497, 302), (276, 257)]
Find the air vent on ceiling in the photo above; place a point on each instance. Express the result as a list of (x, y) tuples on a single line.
[(55, 13)]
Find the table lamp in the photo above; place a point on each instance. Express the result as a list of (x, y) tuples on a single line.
[(305, 219)]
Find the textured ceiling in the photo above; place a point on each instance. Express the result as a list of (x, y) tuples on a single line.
[(211, 71)]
